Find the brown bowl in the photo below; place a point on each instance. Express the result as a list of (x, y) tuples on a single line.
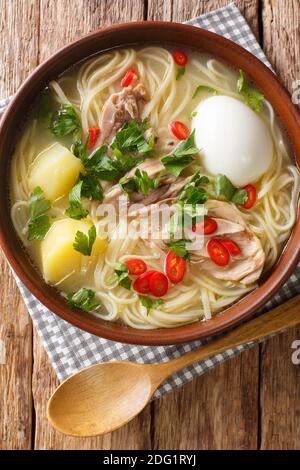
[(122, 35)]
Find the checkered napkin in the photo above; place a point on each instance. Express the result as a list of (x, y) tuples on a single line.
[(71, 349)]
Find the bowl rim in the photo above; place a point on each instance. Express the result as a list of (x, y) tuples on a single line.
[(240, 310)]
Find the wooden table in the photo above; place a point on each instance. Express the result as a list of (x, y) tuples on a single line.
[(251, 401)]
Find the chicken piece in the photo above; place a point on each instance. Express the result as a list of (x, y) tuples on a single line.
[(120, 108), (245, 267)]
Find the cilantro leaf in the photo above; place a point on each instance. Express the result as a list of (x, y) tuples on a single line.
[(38, 227), (240, 196), (121, 275), (76, 209), (39, 222), (224, 187), (150, 303), (66, 122), (180, 72), (181, 157), (91, 187), (85, 299), (79, 149), (193, 193), (100, 166), (178, 247), (140, 182), (84, 243), (131, 139), (204, 89), (253, 98), (38, 205)]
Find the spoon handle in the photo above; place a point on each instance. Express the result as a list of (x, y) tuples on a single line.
[(280, 318)]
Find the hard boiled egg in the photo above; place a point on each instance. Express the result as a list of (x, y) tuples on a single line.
[(233, 139)]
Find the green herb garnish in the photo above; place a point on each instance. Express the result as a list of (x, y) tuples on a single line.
[(224, 187), (193, 193), (39, 222), (178, 247), (100, 166), (139, 183), (91, 187), (121, 276), (150, 303), (76, 210), (181, 157), (131, 139), (253, 98), (180, 72), (66, 122), (85, 299), (204, 89), (84, 243)]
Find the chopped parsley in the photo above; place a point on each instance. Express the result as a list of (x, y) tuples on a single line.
[(150, 303), (100, 166), (91, 187), (178, 247), (84, 243), (76, 210), (139, 183), (131, 139), (39, 222), (85, 299), (121, 276), (181, 157), (66, 122), (224, 187), (193, 193), (252, 97)]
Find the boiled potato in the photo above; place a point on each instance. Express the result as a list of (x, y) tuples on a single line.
[(59, 258), (55, 170)]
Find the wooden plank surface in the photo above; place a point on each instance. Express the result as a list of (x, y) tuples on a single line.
[(227, 407), (280, 398), (19, 26)]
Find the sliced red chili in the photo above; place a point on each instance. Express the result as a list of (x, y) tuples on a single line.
[(180, 130), (158, 284), (218, 253), (251, 196), (180, 58), (175, 267), (136, 266), (129, 77), (206, 226), (94, 133), (231, 246), (141, 284)]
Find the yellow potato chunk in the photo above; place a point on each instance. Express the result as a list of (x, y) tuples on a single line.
[(55, 170), (59, 258)]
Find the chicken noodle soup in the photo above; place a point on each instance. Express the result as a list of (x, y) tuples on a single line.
[(153, 127)]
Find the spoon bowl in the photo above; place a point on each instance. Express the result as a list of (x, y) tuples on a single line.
[(101, 398)]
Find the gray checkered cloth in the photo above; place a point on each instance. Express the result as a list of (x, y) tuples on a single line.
[(71, 349)]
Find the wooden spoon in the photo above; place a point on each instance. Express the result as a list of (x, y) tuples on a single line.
[(104, 397)]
